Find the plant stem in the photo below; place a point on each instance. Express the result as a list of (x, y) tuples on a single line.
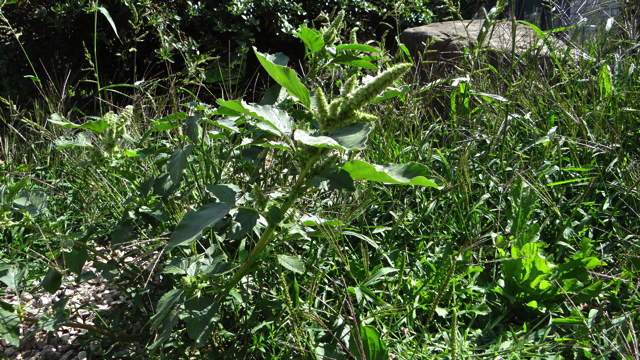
[(266, 237)]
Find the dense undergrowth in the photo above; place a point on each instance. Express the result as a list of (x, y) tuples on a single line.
[(500, 222)]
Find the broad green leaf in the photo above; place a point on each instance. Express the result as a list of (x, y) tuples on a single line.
[(219, 268), (96, 126), (108, 270), (481, 309), (402, 174), (194, 131), (166, 324), (292, 263), (202, 318), (335, 178), (82, 139), (226, 193), (227, 122), (354, 61), (9, 324), (313, 220), (278, 59), (122, 233), (352, 137), (311, 38), (247, 219), (359, 47), (163, 186), (266, 143), (33, 201), (156, 210), (12, 275), (165, 304), (367, 340), (273, 214), (286, 77), (178, 265), (178, 162), (274, 96), (274, 117), (13, 190), (52, 281), (75, 260), (191, 226), (588, 293)]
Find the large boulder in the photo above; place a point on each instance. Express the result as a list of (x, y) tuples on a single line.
[(448, 40)]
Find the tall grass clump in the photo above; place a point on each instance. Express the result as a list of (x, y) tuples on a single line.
[(345, 215)]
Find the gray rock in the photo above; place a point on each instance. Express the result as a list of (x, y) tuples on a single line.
[(10, 351), (40, 344), (449, 38), (50, 353), (82, 355), (68, 355)]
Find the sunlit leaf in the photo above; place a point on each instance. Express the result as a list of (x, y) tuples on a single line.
[(292, 263), (368, 341), (402, 174), (286, 77), (352, 137)]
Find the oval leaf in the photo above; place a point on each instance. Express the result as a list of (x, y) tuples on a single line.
[(278, 119), (286, 77), (292, 263), (52, 281), (351, 137), (191, 226), (405, 174), (370, 343), (311, 38)]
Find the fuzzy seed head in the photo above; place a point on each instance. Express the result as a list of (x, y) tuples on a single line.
[(349, 86), (352, 36), (323, 106), (363, 95), (333, 108)]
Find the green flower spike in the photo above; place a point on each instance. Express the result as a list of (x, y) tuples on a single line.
[(330, 35), (363, 95), (333, 108), (349, 86), (352, 36), (323, 107)]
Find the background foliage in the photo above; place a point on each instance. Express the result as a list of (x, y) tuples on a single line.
[(501, 223)]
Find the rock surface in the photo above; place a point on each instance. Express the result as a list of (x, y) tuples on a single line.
[(451, 37)]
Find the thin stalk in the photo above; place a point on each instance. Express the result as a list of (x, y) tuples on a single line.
[(95, 48)]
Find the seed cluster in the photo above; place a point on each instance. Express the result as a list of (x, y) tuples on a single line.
[(345, 109)]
